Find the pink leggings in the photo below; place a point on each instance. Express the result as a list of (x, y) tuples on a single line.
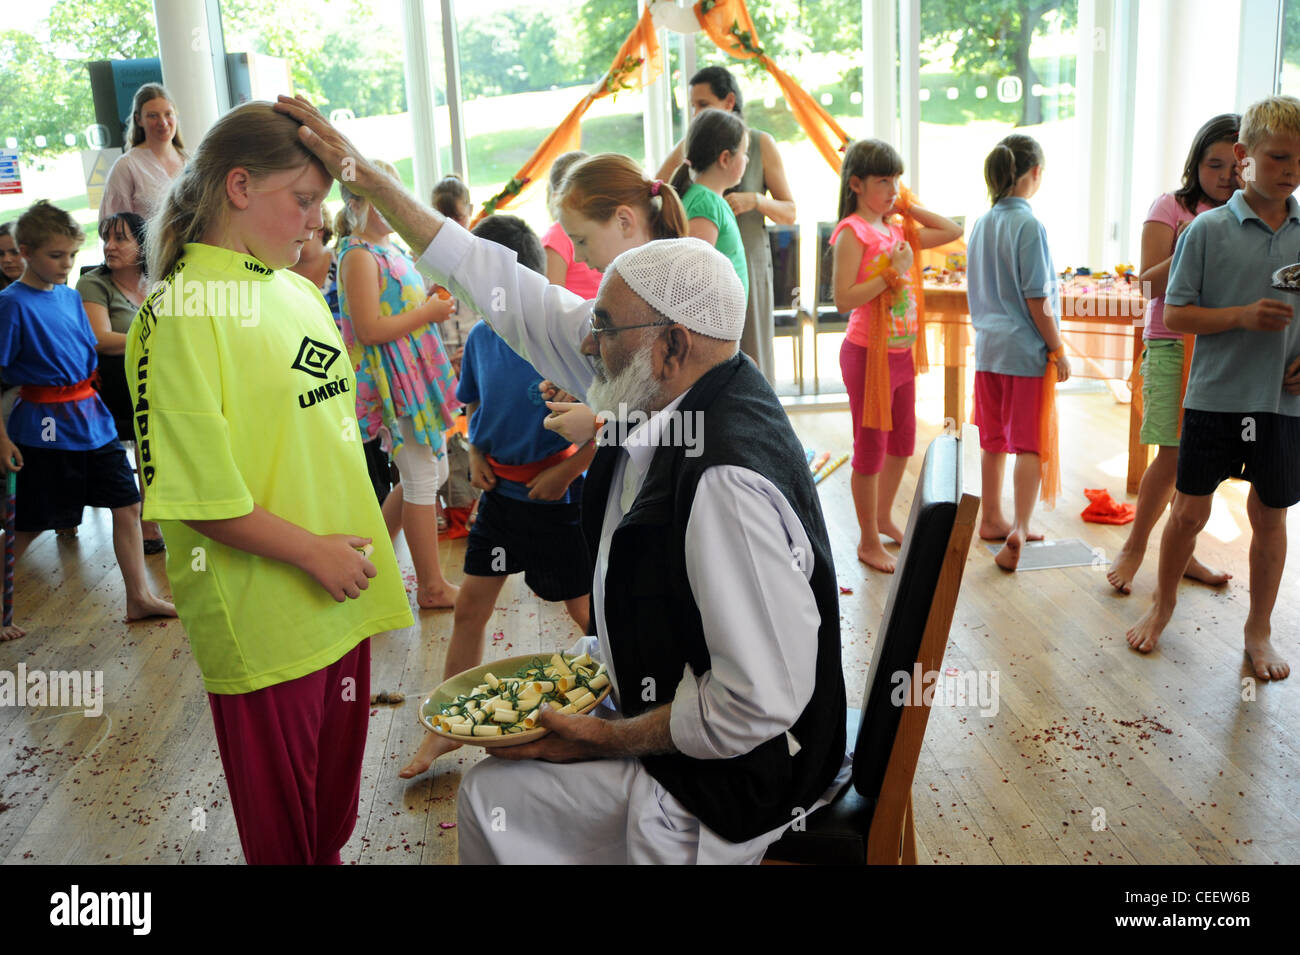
[(292, 755), (869, 445)]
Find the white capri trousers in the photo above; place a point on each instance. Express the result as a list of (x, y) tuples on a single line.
[(423, 470)]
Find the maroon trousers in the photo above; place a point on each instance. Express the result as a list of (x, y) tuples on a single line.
[(292, 755)]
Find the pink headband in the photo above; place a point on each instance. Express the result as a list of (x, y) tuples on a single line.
[(654, 187)]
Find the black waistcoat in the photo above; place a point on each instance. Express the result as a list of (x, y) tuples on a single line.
[(654, 624)]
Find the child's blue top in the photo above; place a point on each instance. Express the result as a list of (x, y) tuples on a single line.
[(45, 339), (1008, 261), (508, 421), (1225, 258)]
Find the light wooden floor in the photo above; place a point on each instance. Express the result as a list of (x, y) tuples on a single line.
[(1164, 746)]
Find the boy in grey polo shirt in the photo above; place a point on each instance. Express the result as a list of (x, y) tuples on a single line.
[(1242, 411)]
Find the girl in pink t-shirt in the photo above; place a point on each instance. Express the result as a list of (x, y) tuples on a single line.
[(1209, 180), (561, 269), (872, 258)]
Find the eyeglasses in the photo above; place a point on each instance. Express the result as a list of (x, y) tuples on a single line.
[(597, 331)]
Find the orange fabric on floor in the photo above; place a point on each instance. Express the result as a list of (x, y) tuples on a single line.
[(1104, 509)]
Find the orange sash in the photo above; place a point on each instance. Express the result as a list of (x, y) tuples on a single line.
[(1049, 462), (57, 394), (877, 410), (523, 473)]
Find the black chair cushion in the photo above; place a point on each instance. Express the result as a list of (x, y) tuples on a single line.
[(833, 835)]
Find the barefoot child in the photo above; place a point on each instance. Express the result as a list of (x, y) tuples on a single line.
[(532, 484), (381, 296), (244, 414), (1241, 416), (1013, 307), (1209, 180), (61, 439), (872, 279)]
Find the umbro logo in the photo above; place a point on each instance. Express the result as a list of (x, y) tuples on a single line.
[(315, 358)]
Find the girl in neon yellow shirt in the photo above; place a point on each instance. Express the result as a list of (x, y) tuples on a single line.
[(254, 466)]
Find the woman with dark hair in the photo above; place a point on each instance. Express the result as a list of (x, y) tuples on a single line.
[(1209, 180), (763, 193), (112, 293), (154, 156)]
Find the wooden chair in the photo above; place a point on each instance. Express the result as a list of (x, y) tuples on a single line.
[(871, 820), (788, 317), (825, 320)]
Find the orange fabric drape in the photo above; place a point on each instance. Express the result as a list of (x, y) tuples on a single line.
[(877, 410), (637, 64), (728, 24), (1049, 461), (1189, 346)]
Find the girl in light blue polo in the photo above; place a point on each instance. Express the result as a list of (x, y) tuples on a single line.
[(1013, 295)]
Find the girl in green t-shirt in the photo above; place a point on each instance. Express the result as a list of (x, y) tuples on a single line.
[(717, 151)]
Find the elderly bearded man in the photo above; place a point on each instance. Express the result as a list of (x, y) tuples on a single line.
[(714, 600)]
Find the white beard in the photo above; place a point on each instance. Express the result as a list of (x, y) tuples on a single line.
[(632, 389)]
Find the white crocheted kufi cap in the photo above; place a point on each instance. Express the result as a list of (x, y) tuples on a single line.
[(689, 282)]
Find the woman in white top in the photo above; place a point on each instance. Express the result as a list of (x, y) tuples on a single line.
[(154, 157)]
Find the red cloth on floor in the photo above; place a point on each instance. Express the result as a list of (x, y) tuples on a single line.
[(1103, 509), (457, 522)]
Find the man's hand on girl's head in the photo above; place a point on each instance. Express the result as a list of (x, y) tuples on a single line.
[(341, 159)]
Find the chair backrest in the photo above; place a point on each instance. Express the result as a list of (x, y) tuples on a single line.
[(825, 263), (918, 613), (784, 243)]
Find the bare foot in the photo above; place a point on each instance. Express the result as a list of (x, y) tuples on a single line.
[(876, 557), (1008, 558), (1268, 665), (12, 632), (150, 606), (442, 597), (889, 529), (1143, 635), (998, 530), (994, 530), (1206, 575), (430, 749), (1123, 570)]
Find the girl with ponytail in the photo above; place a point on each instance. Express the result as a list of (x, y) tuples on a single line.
[(607, 206), (249, 448), (1019, 355), (717, 151)]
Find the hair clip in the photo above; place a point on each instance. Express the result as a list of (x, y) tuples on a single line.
[(654, 187)]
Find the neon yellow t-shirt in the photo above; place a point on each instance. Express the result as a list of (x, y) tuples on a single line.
[(243, 394)]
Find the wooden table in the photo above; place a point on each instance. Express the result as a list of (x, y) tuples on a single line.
[(1102, 332)]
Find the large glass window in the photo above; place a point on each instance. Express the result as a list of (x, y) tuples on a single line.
[(47, 113), (987, 70), (1289, 74), (523, 68)]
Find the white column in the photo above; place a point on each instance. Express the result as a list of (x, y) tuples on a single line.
[(1259, 51), (186, 50), (656, 121), (455, 106), (880, 87), (420, 97), (909, 99), (1092, 104)]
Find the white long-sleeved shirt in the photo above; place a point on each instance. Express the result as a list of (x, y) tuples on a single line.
[(746, 550)]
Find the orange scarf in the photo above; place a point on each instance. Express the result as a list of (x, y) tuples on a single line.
[(1049, 462), (877, 410)]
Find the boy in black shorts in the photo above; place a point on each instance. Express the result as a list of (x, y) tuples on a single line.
[(61, 439), (532, 484), (1242, 411)]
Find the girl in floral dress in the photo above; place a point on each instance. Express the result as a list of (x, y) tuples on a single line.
[(405, 383)]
